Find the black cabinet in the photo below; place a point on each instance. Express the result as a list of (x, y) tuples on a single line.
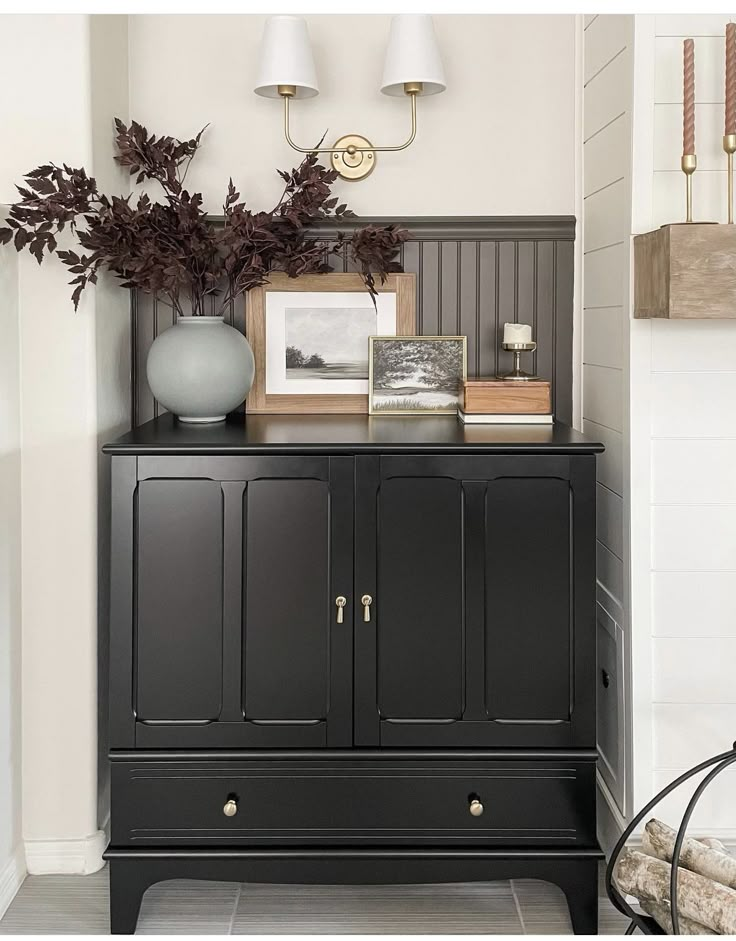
[(352, 632)]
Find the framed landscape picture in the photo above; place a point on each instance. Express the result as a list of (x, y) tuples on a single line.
[(417, 375), (310, 339)]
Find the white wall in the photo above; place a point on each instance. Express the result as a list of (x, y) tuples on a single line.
[(500, 140), (682, 445), (64, 360), (12, 863), (686, 386), (607, 105)]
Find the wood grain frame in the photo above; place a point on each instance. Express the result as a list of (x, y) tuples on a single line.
[(258, 402)]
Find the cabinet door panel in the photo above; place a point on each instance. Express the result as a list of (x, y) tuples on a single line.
[(287, 588), (419, 603), (528, 604), (179, 600), (480, 636), (232, 640)]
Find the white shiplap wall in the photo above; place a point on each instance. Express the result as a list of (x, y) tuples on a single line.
[(688, 383), (607, 69)]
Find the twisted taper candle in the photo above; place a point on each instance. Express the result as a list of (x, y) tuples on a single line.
[(688, 113), (730, 123)]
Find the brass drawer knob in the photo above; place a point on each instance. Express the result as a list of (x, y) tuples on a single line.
[(230, 808), (475, 807)]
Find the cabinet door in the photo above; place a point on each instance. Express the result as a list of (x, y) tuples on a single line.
[(237, 563), (481, 629)]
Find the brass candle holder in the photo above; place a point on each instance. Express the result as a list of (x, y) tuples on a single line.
[(689, 163), (729, 145)]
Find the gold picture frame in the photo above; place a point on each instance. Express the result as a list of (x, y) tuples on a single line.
[(423, 403), (260, 400)]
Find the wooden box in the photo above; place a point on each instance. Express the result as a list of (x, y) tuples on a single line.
[(506, 397), (686, 271)]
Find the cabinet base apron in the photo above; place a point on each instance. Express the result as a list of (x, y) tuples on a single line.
[(133, 871)]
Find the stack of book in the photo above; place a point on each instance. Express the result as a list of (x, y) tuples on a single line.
[(506, 402)]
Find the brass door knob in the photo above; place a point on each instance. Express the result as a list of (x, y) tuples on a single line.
[(366, 601), (340, 603), (476, 808), (230, 808)]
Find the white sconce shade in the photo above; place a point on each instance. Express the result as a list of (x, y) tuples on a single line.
[(412, 56), (286, 58)]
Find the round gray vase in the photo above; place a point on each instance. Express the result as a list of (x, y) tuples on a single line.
[(200, 369)]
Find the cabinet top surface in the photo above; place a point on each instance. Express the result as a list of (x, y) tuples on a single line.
[(347, 434)]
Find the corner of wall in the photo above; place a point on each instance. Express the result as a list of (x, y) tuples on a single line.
[(577, 315), (11, 878), (639, 418), (12, 863), (109, 79)]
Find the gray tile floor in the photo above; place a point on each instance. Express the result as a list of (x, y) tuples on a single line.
[(79, 905)]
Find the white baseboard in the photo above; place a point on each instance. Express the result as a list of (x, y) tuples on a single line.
[(11, 879), (69, 857)]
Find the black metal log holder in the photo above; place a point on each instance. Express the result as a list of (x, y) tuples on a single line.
[(644, 923)]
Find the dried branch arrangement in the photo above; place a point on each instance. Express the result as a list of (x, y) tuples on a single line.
[(173, 248)]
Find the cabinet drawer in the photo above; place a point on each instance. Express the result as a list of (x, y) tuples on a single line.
[(310, 802)]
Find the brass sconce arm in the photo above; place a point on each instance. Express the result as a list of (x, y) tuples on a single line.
[(352, 156), (411, 89)]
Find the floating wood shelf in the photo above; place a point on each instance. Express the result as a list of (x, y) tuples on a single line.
[(686, 272)]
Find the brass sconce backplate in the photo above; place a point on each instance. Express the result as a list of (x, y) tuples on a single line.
[(354, 160)]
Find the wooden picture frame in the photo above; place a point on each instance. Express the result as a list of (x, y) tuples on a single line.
[(260, 401), (421, 406)]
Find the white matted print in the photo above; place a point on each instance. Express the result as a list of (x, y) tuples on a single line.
[(317, 342)]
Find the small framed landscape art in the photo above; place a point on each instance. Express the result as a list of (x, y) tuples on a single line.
[(310, 338), (417, 375)]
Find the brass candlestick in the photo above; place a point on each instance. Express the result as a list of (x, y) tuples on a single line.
[(729, 145), (517, 372), (689, 163)]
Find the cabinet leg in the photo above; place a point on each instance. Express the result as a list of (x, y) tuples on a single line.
[(127, 887), (581, 891)]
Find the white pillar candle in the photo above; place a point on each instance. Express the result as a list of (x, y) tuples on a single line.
[(517, 333)]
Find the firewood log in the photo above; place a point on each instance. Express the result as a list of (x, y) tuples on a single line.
[(659, 841), (714, 844), (699, 899), (660, 912)]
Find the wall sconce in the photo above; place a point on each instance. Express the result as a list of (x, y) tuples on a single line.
[(412, 68)]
